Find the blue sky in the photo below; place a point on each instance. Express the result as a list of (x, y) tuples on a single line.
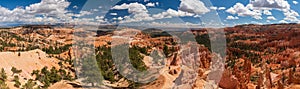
[(158, 12)]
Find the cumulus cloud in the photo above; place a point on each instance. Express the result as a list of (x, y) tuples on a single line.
[(213, 8), (281, 5), (119, 18), (291, 16), (267, 4), (256, 8), (95, 10), (99, 17), (150, 4), (113, 14), (221, 8), (283, 21), (267, 12), (54, 8), (46, 11), (122, 6), (51, 10), (232, 17), (171, 13), (193, 6), (217, 8), (157, 3), (295, 2), (81, 13), (139, 12), (135, 8), (242, 10), (271, 18), (75, 7)]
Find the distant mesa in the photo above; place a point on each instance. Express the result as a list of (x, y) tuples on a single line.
[(154, 32), (253, 25), (108, 26)]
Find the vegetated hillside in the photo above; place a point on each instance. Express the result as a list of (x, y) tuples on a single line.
[(257, 56), (33, 57), (27, 61)]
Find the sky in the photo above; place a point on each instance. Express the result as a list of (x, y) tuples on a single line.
[(214, 13)]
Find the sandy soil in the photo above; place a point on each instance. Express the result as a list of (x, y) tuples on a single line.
[(62, 85), (27, 62)]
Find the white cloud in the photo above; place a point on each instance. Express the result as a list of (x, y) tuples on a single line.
[(283, 21), (119, 18), (213, 8), (134, 8), (82, 13), (291, 16), (295, 2), (217, 8), (122, 6), (270, 4), (232, 17), (113, 14), (193, 6), (150, 4), (271, 18), (171, 13), (221, 8), (138, 11), (267, 12), (157, 3), (49, 7), (239, 9), (95, 10), (255, 22), (46, 11), (242, 10), (75, 7), (99, 17), (258, 7)]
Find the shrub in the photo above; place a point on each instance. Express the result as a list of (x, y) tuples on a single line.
[(17, 82), (15, 71), (29, 84), (3, 78)]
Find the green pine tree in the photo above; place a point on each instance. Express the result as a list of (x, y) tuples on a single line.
[(3, 78), (29, 84), (15, 71), (90, 71)]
